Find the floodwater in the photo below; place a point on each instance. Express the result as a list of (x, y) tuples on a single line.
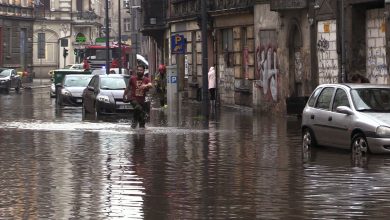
[(56, 165)]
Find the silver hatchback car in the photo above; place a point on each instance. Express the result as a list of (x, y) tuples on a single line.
[(349, 116)]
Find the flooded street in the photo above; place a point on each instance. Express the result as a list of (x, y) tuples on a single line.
[(56, 165)]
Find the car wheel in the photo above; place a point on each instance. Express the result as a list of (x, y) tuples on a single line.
[(308, 141), (360, 149)]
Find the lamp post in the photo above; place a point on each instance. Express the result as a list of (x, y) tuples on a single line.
[(107, 23), (120, 36), (205, 97)]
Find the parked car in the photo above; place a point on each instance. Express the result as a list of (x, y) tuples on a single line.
[(99, 72), (78, 66), (10, 79), (58, 75), (71, 89), (349, 116), (116, 71), (104, 95)]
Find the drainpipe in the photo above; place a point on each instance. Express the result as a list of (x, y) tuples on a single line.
[(107, 23), (120, 36), (205, 97), (343, 75)]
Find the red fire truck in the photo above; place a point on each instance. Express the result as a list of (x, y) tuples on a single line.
[(96, 55)]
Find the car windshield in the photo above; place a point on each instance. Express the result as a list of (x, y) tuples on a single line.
[(5, 72), (113, 83), (77, 81), (371, 99)]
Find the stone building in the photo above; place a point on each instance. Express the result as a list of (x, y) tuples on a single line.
[(64, 25), (16, 34), (270, 55)]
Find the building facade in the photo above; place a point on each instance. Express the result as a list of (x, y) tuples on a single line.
[(270, 55), (16, 34), (64, 25)]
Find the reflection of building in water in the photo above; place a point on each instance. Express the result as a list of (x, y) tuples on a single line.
[(122, 187)]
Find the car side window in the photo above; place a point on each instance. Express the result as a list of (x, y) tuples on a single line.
[(91, 83), (313, 98), (324, 99), (340, 99)]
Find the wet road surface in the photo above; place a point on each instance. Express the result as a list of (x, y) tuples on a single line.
[(56, 165)]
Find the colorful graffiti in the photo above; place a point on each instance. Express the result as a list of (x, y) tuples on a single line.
[(267, 71)]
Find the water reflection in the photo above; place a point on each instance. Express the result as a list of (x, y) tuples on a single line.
[(55, 165)]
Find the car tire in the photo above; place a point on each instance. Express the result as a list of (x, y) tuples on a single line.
[(308, 142), (359, 149)]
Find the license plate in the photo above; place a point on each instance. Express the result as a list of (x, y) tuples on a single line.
[(79, 100), (124, 107)]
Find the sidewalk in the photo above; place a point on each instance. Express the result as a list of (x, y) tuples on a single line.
[(37, 83)]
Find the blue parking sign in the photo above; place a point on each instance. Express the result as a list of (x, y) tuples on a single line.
[(173, 79), (178, 44)]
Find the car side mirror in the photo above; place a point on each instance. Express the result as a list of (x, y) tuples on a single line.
[(90, 88), (344, 110)]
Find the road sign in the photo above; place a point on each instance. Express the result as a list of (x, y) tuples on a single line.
[(173, 79), (178, 44)]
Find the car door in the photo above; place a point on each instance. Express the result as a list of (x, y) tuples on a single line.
[(339, 123), (320, 115)]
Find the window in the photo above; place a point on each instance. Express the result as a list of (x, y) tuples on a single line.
[(9, 46), (324, 99), (314, 97), (340, 99), (41, 45), (227, 46), (245, 53), (127, 24)]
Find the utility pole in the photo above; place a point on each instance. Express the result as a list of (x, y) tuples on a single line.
[(205, 83), (107, 41), (120, 36)]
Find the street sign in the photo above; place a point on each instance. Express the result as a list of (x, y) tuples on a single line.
[(178, 44), (173, 79), (80, 38)]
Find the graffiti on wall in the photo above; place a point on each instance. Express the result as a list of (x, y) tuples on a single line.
[(266, 76), (327, 61), (376, 64), (298, 66)]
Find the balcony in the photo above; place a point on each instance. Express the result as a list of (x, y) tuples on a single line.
[(153, 17)]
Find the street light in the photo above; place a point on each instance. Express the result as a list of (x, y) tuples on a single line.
[(120, 36), (107, 23)]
